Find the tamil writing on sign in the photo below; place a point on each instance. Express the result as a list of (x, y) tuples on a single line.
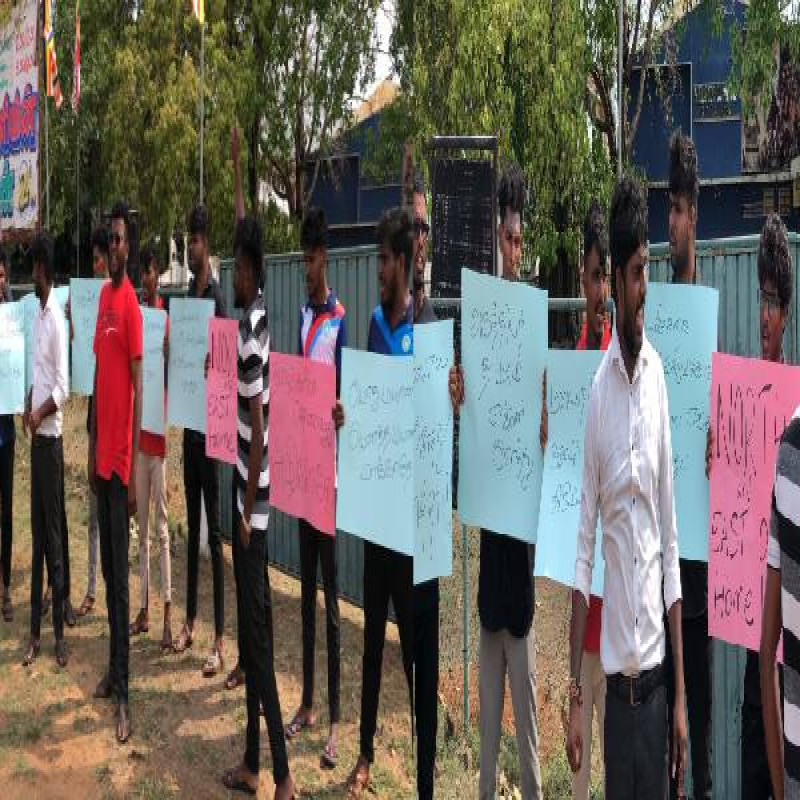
[(188, 346), (681, 324), (84, 301), (12, 358), (376, 450), (302, 440), (751, 403), (503, 350), (433, 451), (222, 390), (154, 327), (569, 385), (19, 116)]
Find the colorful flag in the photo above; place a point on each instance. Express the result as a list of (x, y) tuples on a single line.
[(198, 6), (53, 87), (76, 78)]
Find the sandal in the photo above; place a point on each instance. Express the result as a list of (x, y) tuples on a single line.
[(86, 606), (235, 678), (8, 609), (184, 640), (232, 781), (299, 723), (166, 640), (213, 665), (141, 624), (330, 757)]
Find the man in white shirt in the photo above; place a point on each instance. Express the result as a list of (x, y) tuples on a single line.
[(627, 479), (44, 418)]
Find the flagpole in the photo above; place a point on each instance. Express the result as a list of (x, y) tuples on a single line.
[(46, 164), (78, 198), (202, 97)]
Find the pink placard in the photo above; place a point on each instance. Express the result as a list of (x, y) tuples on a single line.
[(221, 390), (751, 404), (302, 440)]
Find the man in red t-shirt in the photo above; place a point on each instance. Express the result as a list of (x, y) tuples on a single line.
[(595, 334), (113, 450), (151, 483)]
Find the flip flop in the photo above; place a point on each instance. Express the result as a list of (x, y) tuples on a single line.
[(86, 606), (184, 641), (296, 726), (329, 758), (234, 784), (139, 625), (213, 665), (166, 641), (235, 678)]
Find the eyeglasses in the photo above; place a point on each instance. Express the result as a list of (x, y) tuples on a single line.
[(769, 301), (116, 238), (421, 228)]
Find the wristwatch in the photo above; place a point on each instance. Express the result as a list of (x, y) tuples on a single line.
[(575, 692)]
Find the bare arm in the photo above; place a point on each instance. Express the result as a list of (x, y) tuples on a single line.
[(680, 745), (770, 696), (136, 377)]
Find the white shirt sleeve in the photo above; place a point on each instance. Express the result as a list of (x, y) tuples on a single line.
[(58, 343), (590, 496), (666, 507)]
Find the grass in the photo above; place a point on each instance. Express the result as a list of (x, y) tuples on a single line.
[(24, 730)]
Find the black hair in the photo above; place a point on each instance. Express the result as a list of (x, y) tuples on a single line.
[(3, 257), (148, 255), (314, 230), (511, 193), (683, 168), (419, 183), (248, 242), (627, 226), (774, 259), (595, 234), (121, 211), (198, 220), (100, 241), (41, 252), (395, 231)]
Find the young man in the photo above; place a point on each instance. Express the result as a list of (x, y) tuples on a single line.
[(44, 419), (151, 482), (251, 515), (782, 595), (387, 574), (200, 473), (114, 451), (322, 335), (506, 592), (100, 259), (627, 480), (7, 442), (595, 335), (425, 597)]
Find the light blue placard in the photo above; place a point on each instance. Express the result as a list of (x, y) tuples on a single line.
[(30, 305), (433, 453), (376, 450), (681, 324), (503, 350), (62, 296), (84, 301), (569, 383), (12, 358), (188, 347), (154, 325)]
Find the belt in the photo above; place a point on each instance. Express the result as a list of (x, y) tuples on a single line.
[(635, 689)]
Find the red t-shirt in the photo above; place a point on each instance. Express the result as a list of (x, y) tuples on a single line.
[(117, 342), (151, 444), (591, 641)]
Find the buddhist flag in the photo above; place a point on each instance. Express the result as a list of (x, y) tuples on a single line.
[(53, 86), (198, 6), (76, 78)]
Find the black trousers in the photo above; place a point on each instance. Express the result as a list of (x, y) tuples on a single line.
[(6, 509), (387, 575), (426, 682), (64, 545), (256, 649), (756, 781), (113, 520), (201, 478), (697, 670), (636, 748), (47, 468), (316, 546)]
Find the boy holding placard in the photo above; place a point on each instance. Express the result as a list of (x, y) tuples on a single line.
[(7, 441), (201, 473), (322, 335), (387, 574), (151, 483), (251, 517)]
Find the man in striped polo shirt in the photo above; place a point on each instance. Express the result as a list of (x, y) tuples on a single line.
[(251, 515), (782, 594), (321, 338)]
